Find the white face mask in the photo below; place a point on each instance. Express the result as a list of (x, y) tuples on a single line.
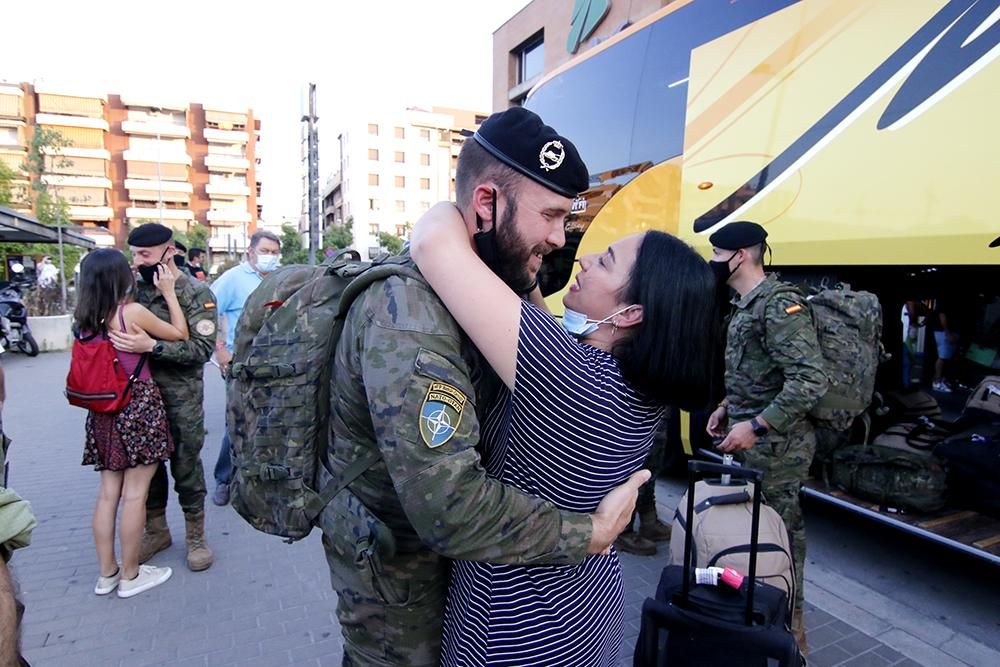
[(579, 325), (267, 263)]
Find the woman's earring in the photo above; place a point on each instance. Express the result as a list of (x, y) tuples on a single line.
[(614, 328)]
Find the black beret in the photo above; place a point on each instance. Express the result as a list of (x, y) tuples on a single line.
[(518, 138), (180, 246), (737, 235), (149, 235)]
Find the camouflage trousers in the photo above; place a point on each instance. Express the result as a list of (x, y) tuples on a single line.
[(187, 428), (390, 606), (784, 458)]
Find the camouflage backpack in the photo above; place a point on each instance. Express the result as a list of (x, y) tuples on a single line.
[(278, 395), (849, 330)]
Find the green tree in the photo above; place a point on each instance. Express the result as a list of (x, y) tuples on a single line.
[(392, 244), (339, 237), (7, 178), (292, 250)]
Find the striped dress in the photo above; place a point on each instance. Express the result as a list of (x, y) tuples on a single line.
[(570, 432)]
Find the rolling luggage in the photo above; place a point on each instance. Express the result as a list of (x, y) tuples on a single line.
[(692, 623)]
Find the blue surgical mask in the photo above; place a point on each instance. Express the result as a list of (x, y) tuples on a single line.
[(579, 325), (267, 263)]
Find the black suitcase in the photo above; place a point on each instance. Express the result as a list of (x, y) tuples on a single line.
[(704, 625), (973, 461)]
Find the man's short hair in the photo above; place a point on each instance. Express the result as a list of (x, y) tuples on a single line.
[(475, 165), (195, 252), (260, 235)]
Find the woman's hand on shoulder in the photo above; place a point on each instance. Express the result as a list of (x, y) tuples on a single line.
[(164, 279), (439, 226)]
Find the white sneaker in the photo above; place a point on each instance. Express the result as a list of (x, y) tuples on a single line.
[(107, 584), (941, 387), (149, 577)]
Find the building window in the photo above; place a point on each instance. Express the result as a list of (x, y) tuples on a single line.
[(480, 119), (425, 184), (425, 159), (401, 181), (373, 129), (373, 228), (400, 133), (530, 57), (425, 206), (401, 231), (425, 134), (400, 156), (372, 179), (373, 154), (372, 204), (400, 206)]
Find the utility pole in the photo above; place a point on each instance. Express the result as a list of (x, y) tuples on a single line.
[(313, 138)]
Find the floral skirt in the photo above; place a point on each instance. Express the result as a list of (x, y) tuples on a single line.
[(138, 435)]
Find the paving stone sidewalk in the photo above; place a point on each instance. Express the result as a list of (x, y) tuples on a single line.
[(265, 603)]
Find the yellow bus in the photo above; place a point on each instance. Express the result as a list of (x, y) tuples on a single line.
[(862, 134)]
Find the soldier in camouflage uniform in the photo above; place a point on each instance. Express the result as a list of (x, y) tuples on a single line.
[(177, 367), (774, 377), (406, 389)]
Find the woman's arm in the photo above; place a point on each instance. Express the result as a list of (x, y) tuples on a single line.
[(481, 303), (142, 317)]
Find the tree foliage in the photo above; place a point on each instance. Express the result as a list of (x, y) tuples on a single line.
[(292, 250), (392, 244), (7, 178), (338, 237)]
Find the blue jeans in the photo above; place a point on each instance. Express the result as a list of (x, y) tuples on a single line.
[(224, 465)]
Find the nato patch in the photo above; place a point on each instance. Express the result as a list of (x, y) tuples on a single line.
[(441, 413)]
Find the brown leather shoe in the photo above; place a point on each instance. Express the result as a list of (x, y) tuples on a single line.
[(156, 536)]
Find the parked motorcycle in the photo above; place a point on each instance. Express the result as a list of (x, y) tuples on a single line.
[(14, 331)]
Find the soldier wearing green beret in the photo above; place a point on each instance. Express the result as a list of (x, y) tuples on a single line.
[(178, 368), (774, 377)]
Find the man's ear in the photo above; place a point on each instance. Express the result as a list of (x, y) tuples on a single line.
[(482, 203), (630, 318)]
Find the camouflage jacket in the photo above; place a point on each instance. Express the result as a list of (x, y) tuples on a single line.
[(178, 368), (774, 366), (405, 381)]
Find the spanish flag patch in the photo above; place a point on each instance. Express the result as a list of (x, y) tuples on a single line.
[(209, 305), (791, 310)]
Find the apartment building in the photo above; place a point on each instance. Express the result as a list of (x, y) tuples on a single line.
[(392, 168), (548, 33), (130, 160)]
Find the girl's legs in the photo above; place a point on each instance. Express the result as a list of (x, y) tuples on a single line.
[(134, 492), (104, 520)]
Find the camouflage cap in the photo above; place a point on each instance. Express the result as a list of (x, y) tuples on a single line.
[(518, 138)]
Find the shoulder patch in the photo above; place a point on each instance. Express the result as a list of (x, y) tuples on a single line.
[(791, 310), (209, 305), (441, 413), (205, 327)]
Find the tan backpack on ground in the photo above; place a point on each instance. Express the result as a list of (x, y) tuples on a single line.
[(985, 398), (721, 534)]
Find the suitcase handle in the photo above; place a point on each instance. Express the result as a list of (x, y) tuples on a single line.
[(698, 470)]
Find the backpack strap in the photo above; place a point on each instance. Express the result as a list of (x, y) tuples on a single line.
[(339, 482), (374, 274)]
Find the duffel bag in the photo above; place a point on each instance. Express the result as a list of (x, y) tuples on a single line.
[(891, 477), (973, 461)]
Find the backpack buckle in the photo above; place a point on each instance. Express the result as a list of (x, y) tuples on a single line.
[(274, 473)]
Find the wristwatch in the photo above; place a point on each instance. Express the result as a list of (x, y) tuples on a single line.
[(157, 349), (759, 429)]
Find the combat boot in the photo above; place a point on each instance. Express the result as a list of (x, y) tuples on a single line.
[(632, 542), (156, 536), (799, 631), (199, 556), (652, 528)]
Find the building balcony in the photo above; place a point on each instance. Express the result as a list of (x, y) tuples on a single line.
[(226, 163), (135, 213), (226, 136), (71, 152), (166, 157), (230, 189), (76, 181), (102, 213), (59, 120), (234, 241), (154, 186), (228, 215), (149, 128), (102, 237)]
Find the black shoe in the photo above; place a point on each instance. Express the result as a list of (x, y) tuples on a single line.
[(221, 495)]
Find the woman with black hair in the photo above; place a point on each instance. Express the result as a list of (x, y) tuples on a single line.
[(126, 446), (580, 407)]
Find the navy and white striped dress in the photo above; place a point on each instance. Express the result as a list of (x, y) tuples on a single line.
[(570, 432)]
